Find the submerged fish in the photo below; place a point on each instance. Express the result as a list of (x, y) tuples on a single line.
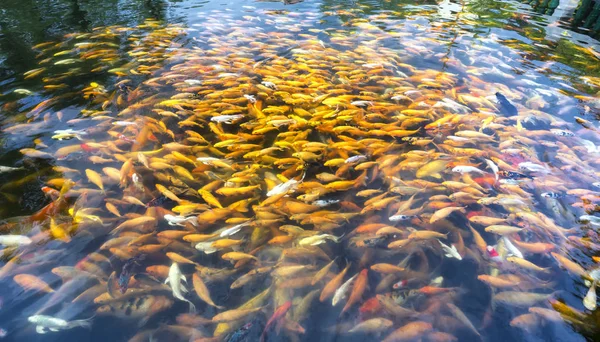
[(139, 308), (43, 323), (6, 169), (272, 167), (127, 271), (174, 280), (506, 107), (14, 240)]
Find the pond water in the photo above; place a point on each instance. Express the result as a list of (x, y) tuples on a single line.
[(308, 170)]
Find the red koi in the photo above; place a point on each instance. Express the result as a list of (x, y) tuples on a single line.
[(47, 211), (489, 181), (277, 315), (432, 290), (474, 213), (152, 137), (87, 147), (51, 192), (400, 284), (493, 254), (371, 306)]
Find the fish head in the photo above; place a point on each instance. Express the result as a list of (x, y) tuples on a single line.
[(104, 309), (34, 319), (522, 224), (492, 253), (400, 284), (123, 282)]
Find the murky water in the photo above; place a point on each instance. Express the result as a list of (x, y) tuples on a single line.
[(325, 170)]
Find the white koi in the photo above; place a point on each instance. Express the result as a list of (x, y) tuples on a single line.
[(342, 291), (282, 188), (451, 251), (14, 240), (232, 230), (318, 239), (6, 169), (324, 203), (269, 85), (250, 98), (206, 247), (590, 300), (467, 169), (528, 166), (493, 166), (355, 159), (180, 220), (48, 323), (174, 280), (228, 119), (512, 250)]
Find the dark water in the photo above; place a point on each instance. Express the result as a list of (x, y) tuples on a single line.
[(486, 46)]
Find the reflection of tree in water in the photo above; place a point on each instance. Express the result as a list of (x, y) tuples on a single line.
[(77, 17), (24, 23), (157, 9), (588, 15), (370, 7), (544, 6), (582, 15), (285, 2)]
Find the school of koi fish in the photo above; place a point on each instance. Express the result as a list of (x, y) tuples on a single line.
[(227, 189)]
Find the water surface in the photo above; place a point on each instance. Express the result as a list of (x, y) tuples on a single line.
[(364, 109)]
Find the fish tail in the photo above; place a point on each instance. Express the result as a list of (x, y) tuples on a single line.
[(84, 323), (192, 307), (263, 335)]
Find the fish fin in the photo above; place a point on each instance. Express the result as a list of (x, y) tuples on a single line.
[(40, 329), (143, 321), (279, 325), (112, 285), (167, 280), (145, 276), (548, 284), (84, 323), (192, 307)]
